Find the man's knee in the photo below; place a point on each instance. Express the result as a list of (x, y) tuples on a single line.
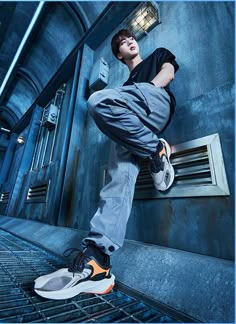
[(95, 100)]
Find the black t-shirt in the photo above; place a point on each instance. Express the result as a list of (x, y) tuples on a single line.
[(146, 70)]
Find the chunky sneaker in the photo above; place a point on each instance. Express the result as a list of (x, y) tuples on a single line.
[(89, 273), (162, 171)]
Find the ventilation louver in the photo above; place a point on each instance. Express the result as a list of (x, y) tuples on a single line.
[(5, 197), (199, 171), (38, 193)]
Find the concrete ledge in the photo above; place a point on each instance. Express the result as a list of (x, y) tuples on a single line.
[(54, 238), (198, 285)]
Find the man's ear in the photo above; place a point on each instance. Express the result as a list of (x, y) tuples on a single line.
[(119, 56)]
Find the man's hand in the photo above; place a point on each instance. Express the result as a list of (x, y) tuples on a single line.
[(166, 75)]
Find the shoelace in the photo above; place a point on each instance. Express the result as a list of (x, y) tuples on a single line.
[(155, 165), (78, 262), (155, 162)]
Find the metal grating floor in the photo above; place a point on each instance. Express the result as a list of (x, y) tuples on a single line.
[(21, 262)]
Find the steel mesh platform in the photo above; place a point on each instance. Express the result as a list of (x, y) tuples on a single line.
[(21, 262)]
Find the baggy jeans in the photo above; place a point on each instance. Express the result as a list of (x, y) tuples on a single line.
[(131, 116)]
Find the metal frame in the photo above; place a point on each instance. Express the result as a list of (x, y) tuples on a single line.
[(78, 14), (215, 185), (218, 185), (128, 20), (27, 76)]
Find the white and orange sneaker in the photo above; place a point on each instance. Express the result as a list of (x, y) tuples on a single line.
[(161, 170), (90, 273)]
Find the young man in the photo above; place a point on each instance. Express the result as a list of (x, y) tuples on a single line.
[(132, 116)]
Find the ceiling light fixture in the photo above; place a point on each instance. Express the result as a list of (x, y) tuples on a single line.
[(143, 19)]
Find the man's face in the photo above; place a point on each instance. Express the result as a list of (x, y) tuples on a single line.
[(128, 48)]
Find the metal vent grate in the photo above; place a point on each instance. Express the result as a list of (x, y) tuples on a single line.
[(199, 171), (38, 193), (21, 262), (5, 197), (192, 166)]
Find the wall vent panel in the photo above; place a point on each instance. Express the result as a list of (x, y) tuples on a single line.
[(199, 171), (38, 193), (5, 197)]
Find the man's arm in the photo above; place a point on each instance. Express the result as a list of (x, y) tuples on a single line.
[(166, 75)]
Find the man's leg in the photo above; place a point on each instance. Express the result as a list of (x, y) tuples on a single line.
[(118, 113), (90, 271), (108, 226), (111, 110), (122, 114)]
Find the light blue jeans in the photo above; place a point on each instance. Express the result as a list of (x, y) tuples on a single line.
[(131, 116)]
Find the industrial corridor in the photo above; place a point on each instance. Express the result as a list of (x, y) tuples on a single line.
[(86, 87)]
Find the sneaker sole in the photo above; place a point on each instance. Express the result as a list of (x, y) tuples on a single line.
[(94, 287), (168, 151), (172, 177)]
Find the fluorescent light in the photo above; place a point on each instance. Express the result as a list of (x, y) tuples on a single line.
[(21, 46)]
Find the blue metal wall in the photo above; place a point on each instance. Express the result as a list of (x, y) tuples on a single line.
[(201, 35)]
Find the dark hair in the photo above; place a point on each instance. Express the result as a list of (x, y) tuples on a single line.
[(116, 39)]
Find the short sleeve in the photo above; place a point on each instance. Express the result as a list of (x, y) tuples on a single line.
[(163, 55)]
